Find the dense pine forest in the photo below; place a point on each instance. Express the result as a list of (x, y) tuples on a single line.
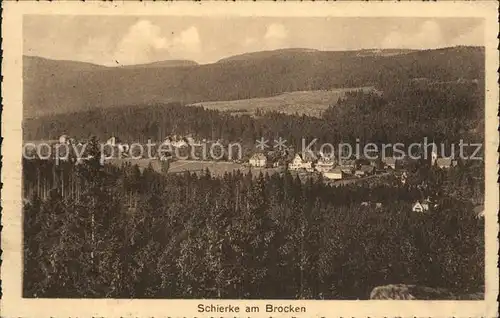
[(107, 231)]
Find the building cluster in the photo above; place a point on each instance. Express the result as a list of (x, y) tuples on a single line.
[(328, 166), (333, 169), (183, 141)]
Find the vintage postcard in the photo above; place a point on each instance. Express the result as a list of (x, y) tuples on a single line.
[(202, 159)]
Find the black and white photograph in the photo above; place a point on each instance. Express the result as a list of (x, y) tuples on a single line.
[(234, 157)]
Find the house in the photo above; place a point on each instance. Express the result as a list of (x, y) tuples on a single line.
[(168, 141), (434, 156), (404, 177), (364, 171), (378, 205), (301, 161), (190, 140), (348, 166), (359, 173), (445, 163), (258, 160), (334, 174), (420, 207), (391, 163), (347, 170), (479, 211), (179, 143), (112, 141), (64, 139), (325, 164), (348, 163), (193, 142), (365, 203)]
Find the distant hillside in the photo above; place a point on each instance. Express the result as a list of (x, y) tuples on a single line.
[(35, 63), (168, 63), (384, 52), (267, 54), (310, 53), (52, 87)]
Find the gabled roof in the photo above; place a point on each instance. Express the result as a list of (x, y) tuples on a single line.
[(326, 160), (416, 205), (423, 206), (305, 156), (479, 210)]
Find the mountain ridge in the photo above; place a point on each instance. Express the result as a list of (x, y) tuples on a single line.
[(52, 86)]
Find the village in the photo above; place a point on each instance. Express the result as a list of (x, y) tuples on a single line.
[(349, 171), (317, 165)]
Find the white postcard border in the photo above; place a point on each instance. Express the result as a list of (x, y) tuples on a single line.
[(12, 303)]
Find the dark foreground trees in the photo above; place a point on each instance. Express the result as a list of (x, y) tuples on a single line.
[(117, 232)]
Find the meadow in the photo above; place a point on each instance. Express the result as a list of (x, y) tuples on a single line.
[(309, 103), (216, 168)]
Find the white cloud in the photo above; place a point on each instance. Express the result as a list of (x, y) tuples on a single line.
[(139, 42), (276, 31), (474, 37), (188, 40), (144, 42), (249, 41), (427, 36), (275, 36), (96, 50)]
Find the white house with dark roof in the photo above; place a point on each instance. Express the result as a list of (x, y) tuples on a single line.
[(112, 141), (325, 164), (479, 211), (445, 163), (258, 160), (420, 207), (364, 171), (301, 161), (348, 166), (64, 139)]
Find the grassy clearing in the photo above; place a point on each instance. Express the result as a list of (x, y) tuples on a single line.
[(216, 168), (180, 166), (311, 103)]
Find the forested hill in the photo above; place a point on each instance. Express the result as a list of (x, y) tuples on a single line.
[(64, 86), (444, 112)]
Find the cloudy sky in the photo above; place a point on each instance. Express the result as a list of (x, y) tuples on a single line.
[(115, 40)]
